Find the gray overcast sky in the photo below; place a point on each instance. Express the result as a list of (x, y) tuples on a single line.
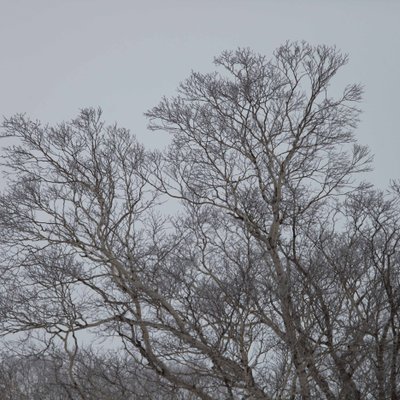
[(58, 56)]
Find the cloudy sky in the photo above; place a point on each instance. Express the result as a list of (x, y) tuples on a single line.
[(58, 56)]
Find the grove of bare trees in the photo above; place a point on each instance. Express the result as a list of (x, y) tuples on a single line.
[(277, 278)]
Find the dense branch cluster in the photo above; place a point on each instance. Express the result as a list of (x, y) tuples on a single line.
[(279, 278)]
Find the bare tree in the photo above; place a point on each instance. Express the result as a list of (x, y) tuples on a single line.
[(279, 279), (265, 145), (98, 376)]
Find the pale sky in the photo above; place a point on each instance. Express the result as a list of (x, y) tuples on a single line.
[(58, 56)]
